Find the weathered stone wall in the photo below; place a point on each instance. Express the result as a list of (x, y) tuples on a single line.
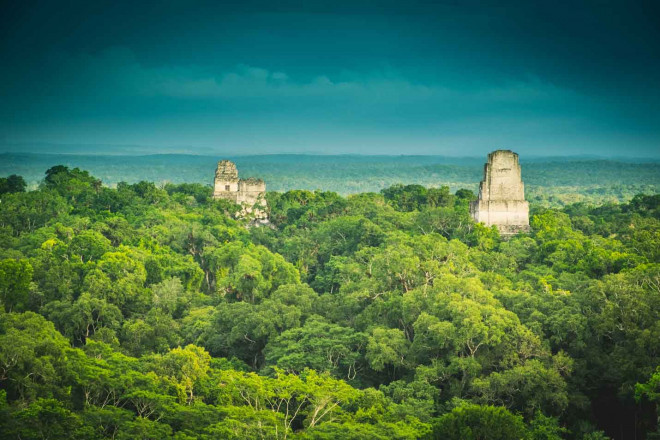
[(226, 181), (502, 195), (249, 193)]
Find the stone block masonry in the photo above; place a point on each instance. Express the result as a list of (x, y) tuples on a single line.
[(249, 193), (501, 199)]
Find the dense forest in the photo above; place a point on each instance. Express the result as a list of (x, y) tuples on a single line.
[(147, 311)]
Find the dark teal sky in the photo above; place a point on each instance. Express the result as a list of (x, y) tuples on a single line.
[(370, 77)]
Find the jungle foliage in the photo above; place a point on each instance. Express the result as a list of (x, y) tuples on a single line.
[(150, 312)]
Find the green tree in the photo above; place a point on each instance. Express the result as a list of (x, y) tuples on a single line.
[(12, 184), (474, 422), (317, 345), (33, 357), (15, 278), (387, 347)]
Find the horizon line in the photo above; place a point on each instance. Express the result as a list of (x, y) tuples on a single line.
[(319, 154)]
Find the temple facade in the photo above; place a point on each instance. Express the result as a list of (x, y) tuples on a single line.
[(248, 193), (501, 199)]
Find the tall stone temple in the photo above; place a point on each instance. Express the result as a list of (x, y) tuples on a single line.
[(502, 195), (248, 193)]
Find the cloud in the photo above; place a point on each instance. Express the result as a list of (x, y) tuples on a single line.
[(116, 74), (253, 82), (111, 96)]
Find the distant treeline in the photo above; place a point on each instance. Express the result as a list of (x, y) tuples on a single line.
[(549, 181)]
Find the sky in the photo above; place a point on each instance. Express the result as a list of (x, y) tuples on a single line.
[(457, 78)]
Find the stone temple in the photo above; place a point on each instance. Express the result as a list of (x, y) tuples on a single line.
[(248, 193), (502, 195)]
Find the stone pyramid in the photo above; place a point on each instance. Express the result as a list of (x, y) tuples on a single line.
[(502, 195)]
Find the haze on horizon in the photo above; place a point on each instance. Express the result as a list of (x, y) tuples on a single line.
[(332, 77)]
